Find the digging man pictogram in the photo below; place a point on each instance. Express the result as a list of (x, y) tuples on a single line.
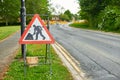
[(37, 31)]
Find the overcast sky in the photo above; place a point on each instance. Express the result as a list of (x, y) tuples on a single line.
[(72, 5)]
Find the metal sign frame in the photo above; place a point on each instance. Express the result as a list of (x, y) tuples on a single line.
[(23, 46)]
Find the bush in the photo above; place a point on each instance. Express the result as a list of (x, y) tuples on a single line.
[(110, 19)]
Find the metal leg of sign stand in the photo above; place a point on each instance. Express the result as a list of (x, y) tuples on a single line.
[(49, 57), (50, 61), (24, 59), (25, 71), (47, 44), (46, 53), (49, 52)]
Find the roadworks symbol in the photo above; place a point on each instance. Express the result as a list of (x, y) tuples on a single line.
[(36, 33)]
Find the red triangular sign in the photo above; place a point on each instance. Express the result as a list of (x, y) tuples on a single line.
[(36, 33)]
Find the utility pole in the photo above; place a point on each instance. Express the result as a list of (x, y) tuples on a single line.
[(23, 24)]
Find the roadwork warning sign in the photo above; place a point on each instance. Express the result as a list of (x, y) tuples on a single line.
[(36, 33)]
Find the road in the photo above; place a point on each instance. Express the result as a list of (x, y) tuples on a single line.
[(98, 53)]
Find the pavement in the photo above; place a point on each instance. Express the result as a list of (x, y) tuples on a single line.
[(8, 49)]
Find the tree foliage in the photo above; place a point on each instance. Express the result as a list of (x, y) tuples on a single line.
[(105, 13), (66, 16), (69, 14), (37, 7), (9, 11)]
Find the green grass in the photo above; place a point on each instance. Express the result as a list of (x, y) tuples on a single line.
[(79, 25), (6, 31), (83, 25), (86, 26), (41, 72)]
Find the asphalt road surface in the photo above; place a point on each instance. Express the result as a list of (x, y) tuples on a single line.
[(97, 52)]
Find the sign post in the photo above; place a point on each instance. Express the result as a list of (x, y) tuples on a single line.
[(47, 45), (36, 32), (23, 24), (47, 54)]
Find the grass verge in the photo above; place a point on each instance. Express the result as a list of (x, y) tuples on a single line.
[(78, 25), (82, 24), (40, 72), (6, 31), (86, 26)]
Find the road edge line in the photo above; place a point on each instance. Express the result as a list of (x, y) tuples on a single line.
[(69, 62)]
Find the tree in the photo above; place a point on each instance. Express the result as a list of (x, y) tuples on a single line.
[(69, 14), (37, 6), (9, 11), (101, 12), (110, 16), (90, 10), (64, 17), (76, 16)]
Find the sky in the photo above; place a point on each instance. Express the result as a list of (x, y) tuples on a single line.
[(62, 5)]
